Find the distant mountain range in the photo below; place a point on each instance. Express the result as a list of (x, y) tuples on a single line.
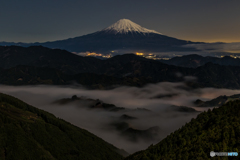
[(40, 65), (122, 36), (194, 60), (44, 57)]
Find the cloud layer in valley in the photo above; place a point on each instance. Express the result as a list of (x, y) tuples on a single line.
[(155, 97), (216, 47)]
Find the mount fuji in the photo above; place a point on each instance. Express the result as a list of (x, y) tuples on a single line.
[(123, 35)]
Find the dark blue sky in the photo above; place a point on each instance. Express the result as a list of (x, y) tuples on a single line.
[(48, 20)]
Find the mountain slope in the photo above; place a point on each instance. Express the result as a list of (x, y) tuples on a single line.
[(217, 102), (30, 133), (30, 75), (44, 57), (217, 130), (123, 36)]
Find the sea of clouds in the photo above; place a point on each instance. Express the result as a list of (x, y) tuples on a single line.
[(97, 121)]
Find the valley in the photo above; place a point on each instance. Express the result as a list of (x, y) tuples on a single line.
[(74, 89)]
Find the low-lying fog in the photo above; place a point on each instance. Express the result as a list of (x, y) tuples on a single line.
[(97, 121)]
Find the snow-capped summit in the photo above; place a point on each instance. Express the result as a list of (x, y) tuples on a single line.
[(124, 26)]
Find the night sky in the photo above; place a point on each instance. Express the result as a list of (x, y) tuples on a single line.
[(48, 20)]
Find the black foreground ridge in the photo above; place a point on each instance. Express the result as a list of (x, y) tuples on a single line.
[(217, 130), (29, 133)]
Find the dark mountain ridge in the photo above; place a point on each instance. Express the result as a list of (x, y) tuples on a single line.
[(217, 130), (194, 61), (44, 57), (31, 133), (217, 102), (128, 69)]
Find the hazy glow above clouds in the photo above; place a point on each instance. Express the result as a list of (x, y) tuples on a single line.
[(217, 47)]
